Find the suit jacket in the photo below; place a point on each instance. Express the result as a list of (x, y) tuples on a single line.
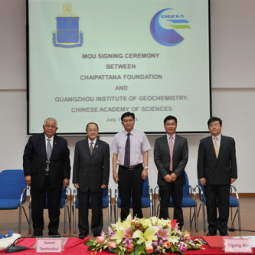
[(34, 161), (217, 171), (91, 171), (162, 158)]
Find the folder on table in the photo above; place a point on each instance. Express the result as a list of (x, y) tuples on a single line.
[(215, 242)]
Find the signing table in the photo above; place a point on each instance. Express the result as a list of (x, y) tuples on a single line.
[(75, 246)]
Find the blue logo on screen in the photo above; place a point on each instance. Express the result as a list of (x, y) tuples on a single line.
[(164, 25), (67, 34)]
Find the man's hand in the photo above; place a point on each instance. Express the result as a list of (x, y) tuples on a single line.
[(232, 180), (167, 178), (76, 185), (65, 182), (202, 181), (115, 177), (103, 186), (28, 180), (144, 174), (173, 177)]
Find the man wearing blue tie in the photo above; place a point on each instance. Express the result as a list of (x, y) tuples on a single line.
[(130, 151)]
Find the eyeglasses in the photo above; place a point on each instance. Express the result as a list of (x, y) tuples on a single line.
[(214, 125), (50, 126)]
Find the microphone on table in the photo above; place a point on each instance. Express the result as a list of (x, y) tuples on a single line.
[(234, 229), (15, 248)]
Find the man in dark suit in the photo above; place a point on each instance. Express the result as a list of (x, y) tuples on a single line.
[(217, 169), (46, 166), (91, 177), (171, 157)]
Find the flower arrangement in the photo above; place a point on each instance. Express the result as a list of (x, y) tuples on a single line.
[(144, 236)]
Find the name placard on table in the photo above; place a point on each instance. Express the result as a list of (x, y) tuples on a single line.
[(237, 245), (49, 245)]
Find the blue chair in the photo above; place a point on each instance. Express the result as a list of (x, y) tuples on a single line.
[(147, 199), (188, 201), (63, 205), (233, 203), (107, 197), (13, 189)]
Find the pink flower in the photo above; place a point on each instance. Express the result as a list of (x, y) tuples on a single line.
[(100, 239), (162, 233), (128, 233), (182, 246), (167, 244), (112, 245), (187, 236), (130, 247), (149, 249)]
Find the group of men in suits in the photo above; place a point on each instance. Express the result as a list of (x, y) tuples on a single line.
[(47, 169)]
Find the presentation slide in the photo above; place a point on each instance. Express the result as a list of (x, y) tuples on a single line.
[(93, 60)]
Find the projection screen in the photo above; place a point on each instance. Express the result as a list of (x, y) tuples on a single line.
[(93, 60)]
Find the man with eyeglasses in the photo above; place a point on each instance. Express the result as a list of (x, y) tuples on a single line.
[(217, 169), (46, 166), (91, 176)]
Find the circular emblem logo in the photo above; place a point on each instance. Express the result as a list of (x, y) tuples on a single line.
[(164, 25)]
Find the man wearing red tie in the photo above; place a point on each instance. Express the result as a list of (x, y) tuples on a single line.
[(217, 169), (171, 157)]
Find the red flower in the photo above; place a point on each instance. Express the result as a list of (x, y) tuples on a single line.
[(167, 244), (149, 249), (173, 224), (130, 247)]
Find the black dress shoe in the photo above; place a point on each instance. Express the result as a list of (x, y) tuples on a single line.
[(54, 233), (211, 233), (224, 234), (82, 235), (96, 234), (37, 233)]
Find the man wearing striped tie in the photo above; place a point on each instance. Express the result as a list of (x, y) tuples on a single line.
[(46, 166), (217, 169), (171, 157)]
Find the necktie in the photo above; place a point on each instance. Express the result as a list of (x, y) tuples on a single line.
[(91, 148), (48, 152), (127, 151), (216, 147), (171, 149)]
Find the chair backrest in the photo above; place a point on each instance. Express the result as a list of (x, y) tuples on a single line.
[(105, 203), (186, 186), (146, 188), (12, 183), (201, 197), (145, 195), (233, 202), (62, 201)]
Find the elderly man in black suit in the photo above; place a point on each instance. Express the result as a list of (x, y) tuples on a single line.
[(217, 169), (46, 166), (91, 177), (171, 157)]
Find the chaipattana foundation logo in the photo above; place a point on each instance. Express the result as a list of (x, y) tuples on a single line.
[(67, 33)]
